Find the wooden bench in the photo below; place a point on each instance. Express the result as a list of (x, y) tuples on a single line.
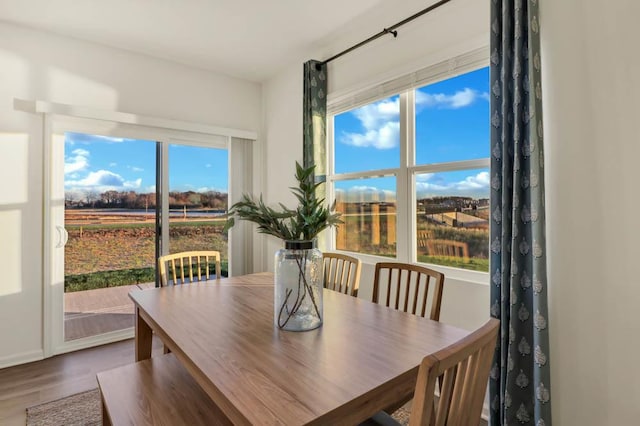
[(157, 391)]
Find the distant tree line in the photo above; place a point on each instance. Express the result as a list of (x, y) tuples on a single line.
[(450, 203), (133, 200)]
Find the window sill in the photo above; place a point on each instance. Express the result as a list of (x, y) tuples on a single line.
[(458, 274)]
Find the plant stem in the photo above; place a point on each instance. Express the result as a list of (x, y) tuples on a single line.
[(302, 285), (301, 269)]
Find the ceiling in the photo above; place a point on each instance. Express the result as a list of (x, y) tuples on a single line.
[(248, 39)]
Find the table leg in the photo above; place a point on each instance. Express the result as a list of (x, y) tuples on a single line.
[(144, 337)]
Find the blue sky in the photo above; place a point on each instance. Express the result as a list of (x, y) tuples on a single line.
[(100, 163), (452, 124)]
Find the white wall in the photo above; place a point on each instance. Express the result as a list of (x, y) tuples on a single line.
[(426, 41), (35, 65), (590, 86)]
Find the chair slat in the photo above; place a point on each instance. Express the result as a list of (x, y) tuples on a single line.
[(173, 269), (182, 270), (342, 273), (403, 272), (445, 396), (416, 292), (199, 260)]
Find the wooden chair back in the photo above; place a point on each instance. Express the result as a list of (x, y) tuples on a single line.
[(464, 367), (448, 248), (342, 273), (423, 238), (188, 267), (409, 288)]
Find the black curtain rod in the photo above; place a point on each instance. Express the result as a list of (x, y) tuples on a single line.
[(390, 30)]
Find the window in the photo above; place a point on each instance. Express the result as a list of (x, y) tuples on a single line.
[(410, 172)]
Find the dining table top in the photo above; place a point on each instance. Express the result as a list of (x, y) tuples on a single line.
[(364, 357)]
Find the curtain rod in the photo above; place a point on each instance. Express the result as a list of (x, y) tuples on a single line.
[(390, 30)]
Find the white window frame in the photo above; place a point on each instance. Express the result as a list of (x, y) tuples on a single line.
[(404, 86)]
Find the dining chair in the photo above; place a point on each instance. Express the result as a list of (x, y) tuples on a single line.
[(342, 273), (448, 248), (463, 367), (409, 288), (188, 267)]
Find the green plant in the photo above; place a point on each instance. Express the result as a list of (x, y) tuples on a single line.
[(304, 223)]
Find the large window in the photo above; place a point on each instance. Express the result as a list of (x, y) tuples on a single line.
[(411, 173)]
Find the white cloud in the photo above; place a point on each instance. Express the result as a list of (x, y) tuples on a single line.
[(386, 137), (479, 181), (135, 169), (460, 99), (210, 188), (103, 180), (134, 184), (381, 126), (425, 177), (429, 184), (113, 164), (77, 162)]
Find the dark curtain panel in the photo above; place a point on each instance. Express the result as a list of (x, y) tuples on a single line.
[(519, 385), (315, 118)]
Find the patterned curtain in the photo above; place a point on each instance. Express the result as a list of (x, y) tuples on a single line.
[(314, 122), (519, 385), (314, 118)]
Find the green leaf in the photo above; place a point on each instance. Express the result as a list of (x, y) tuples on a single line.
[(306, 221)]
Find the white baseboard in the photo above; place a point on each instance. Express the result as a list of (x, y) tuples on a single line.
[(74, 345), (22, 358)]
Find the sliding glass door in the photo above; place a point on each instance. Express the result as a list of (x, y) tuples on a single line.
[(110, 200)]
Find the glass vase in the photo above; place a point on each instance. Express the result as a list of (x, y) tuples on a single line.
[(298, 286)]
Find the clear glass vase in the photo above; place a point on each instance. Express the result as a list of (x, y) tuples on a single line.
[(298, 286)]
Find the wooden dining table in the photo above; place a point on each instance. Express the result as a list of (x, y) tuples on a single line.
[(363, 358)]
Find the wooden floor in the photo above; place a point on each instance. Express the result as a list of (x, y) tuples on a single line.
[(57, 377)]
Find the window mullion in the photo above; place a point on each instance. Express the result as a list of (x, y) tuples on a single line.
[(403, 200), (330, 242), (410, 240)]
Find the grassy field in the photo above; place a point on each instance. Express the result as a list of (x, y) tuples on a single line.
[(113, 254)]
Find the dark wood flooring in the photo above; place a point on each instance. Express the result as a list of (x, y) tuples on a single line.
[(31, 384)]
